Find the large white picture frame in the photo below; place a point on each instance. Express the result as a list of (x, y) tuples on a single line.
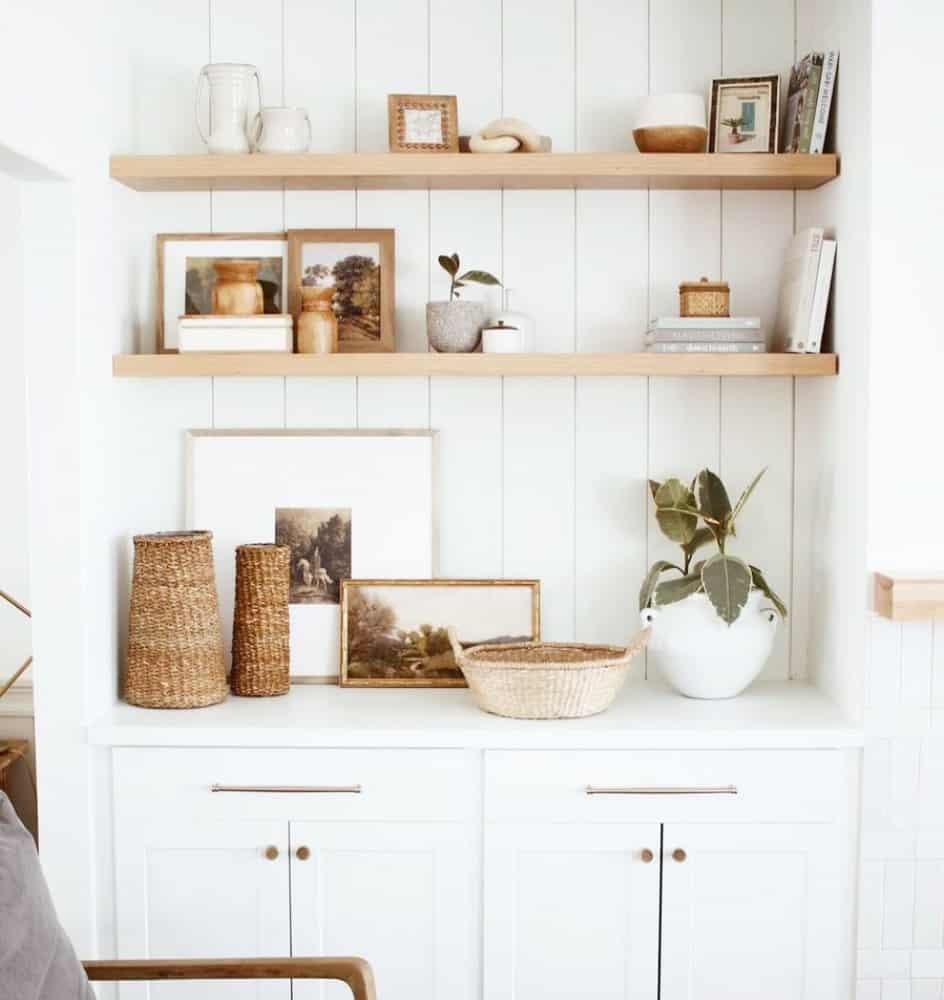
[(237, 479)]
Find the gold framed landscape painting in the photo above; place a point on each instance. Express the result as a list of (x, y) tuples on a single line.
[(355, 269), (394, 632)]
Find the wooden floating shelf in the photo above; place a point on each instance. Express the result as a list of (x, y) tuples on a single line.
[(333, 171), (192, 365), (909, 598)]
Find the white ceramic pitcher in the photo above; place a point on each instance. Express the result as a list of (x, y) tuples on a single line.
[(230, 86), (280, 130)]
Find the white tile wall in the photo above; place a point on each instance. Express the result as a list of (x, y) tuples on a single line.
[(901, 880)]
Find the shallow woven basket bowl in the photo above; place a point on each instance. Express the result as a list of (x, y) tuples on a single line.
[(546, 680)]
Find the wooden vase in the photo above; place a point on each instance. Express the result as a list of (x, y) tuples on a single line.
[(317, 327), (236, 292)]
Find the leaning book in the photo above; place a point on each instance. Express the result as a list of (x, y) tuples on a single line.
[(802, 97), (707, 347)]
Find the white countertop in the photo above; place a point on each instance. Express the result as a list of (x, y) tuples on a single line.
[(768, 715)]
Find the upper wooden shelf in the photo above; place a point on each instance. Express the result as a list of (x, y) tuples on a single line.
[(908, 597), (332, 171), (193, 365)]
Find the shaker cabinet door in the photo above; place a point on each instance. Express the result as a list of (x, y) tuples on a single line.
[(192, 889), (750, 911), (401, 895), (571, 910)]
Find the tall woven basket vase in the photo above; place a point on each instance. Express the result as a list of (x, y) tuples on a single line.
[(260, 621), (175, 638)]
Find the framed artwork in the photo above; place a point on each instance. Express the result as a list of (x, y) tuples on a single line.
[(185, 274), (393, 632), (745, 115), (423, 123), (336, 498), (359, 265)]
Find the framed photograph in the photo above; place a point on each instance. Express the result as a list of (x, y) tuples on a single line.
[(185, 274), (745, 115), (423, 123), (393, 632), (336, 498), (359, 265)]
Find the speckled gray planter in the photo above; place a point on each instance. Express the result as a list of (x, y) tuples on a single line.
[(454, 327)]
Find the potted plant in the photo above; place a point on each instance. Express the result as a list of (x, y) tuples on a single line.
[(734, 124), (713, 620), (454, 325)]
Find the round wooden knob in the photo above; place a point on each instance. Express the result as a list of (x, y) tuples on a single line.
[(303, 853), (646, 855), (271, 852), (679, 855)]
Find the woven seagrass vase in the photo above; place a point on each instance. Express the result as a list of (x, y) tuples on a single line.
[(260, 621), (175, 638)]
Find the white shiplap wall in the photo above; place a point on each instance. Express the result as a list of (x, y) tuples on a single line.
[(540, 477)]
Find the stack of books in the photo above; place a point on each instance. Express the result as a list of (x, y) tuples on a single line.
[(711, 334), (235, 334), (809, 99), (804, 292)]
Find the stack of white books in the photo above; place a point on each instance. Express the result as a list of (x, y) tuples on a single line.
[(804, 292), (235, 334), (706, 334)]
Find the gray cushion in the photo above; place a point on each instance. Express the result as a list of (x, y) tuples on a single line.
[(36, 959)]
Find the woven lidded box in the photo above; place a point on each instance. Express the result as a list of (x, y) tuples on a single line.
[(704, 298)]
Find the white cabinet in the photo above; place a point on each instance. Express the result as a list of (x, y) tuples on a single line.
[(749, 910), (571, 910)]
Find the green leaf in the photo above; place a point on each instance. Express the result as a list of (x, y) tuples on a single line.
[(652, 578), (712, 496), (458, 284), (743, 498), (757, 578), (670, 591), (449, 264), (701, 537), (727, 582), (480, 277), (673, 511), (654, 488)]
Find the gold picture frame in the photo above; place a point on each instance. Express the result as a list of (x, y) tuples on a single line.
[(377, 243), (405, 644), (423, 123)]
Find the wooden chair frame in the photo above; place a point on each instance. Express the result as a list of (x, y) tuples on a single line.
[(355, 972)]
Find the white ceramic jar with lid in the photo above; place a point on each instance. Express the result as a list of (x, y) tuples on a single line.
[(524, 323)]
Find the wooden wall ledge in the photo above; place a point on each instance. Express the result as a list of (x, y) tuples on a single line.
[(909, 597)]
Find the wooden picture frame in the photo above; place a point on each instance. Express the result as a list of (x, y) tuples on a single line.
[(749, 93), (165, 312), (384, 240), (395, 666), (405, 135)]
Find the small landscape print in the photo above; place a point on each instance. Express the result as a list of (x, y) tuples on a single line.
[(396, 632), (320, 540), (201, 277), (352, 271)]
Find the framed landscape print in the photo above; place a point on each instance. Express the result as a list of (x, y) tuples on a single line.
[(394, 632), (358, 265), (347, 503), (185, 274), (745, 115), (423, 123)]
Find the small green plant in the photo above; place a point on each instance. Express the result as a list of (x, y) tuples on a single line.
[(733, 123), (450, 264), (695, 516)]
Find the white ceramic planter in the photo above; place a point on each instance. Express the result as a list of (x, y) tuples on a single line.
[(701, 656)]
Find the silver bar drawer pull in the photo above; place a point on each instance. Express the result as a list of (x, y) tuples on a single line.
[(291, 789), (663, 790)]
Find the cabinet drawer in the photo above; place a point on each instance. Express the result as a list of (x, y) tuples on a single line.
[(621, 786), (300, 784)]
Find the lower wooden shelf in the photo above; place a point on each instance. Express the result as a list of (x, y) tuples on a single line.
[(194, 365)]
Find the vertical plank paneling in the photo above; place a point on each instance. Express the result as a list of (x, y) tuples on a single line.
[(757, 431), (245, 32), (392, 58), (539, 494), (320, 402), (248, 402), (468, 415), (611, 497), (399, 403)]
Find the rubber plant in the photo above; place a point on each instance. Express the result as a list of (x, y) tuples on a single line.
[(694, 517), (450, 264)]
